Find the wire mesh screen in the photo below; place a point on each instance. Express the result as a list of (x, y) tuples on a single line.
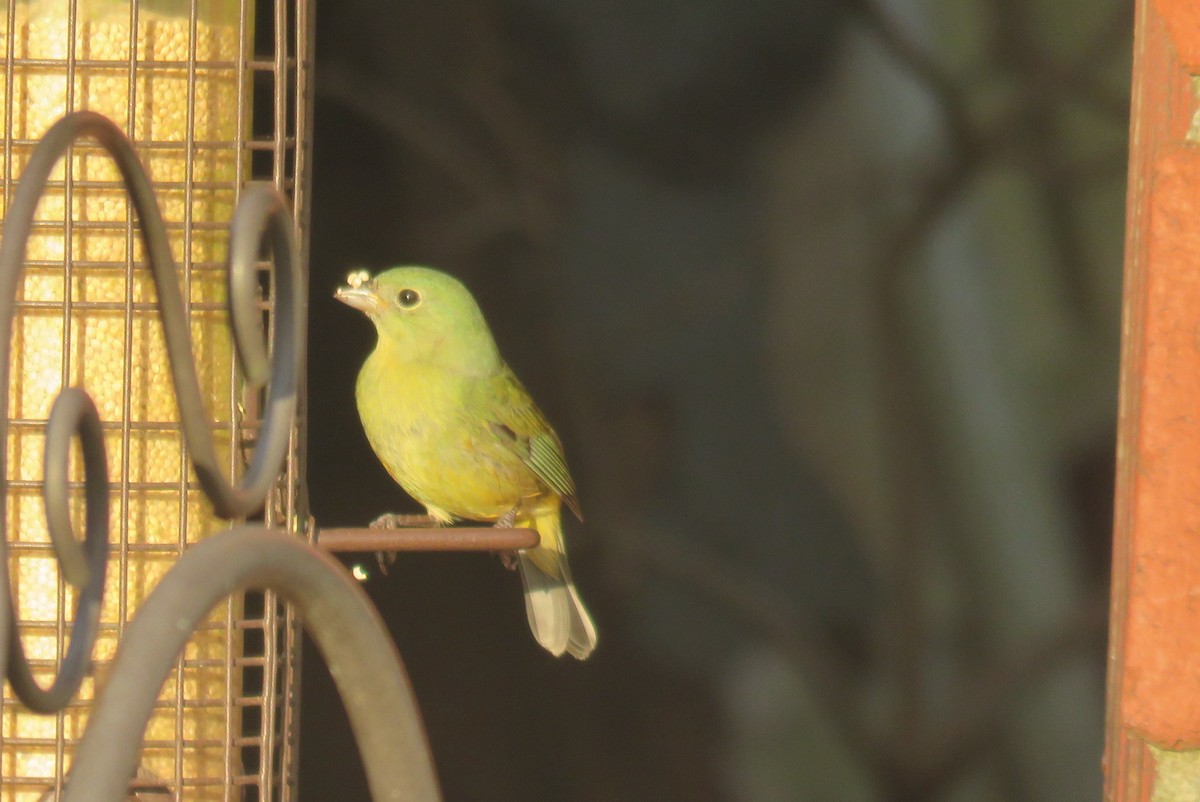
[(211, 94)]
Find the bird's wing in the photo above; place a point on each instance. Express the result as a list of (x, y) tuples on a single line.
[(518, 422)]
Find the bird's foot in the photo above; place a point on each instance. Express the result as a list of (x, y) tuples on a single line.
[(395, 520), (509, 560)]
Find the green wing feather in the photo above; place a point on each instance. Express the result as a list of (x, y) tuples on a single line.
[(519, 423)]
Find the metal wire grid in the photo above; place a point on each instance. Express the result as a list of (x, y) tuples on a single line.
[(259, 663), (285, 79)]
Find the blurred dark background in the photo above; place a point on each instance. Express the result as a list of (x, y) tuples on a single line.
[(823, 298)]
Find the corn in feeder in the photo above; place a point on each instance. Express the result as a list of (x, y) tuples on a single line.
[(186, 83)]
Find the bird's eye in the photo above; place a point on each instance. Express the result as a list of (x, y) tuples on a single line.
[(408, 298)]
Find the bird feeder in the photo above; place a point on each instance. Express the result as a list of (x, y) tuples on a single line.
[(212, 95)]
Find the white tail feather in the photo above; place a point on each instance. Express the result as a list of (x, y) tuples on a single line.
[(556, 615)]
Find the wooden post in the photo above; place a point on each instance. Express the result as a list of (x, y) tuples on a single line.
[(1153, 700)]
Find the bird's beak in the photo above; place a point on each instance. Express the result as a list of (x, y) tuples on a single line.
[(363, 298)]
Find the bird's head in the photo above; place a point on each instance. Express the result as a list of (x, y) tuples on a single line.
[(424, 315)]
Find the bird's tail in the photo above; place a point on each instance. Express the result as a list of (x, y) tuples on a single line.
[(556, 615)]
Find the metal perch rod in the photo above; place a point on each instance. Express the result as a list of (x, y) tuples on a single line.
[(452, 538)]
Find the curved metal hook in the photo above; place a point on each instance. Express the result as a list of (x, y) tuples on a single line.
[(362, 659), (263, 211), (83, 567)]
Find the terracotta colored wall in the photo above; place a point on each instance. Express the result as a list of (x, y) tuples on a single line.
[(1154, 679)]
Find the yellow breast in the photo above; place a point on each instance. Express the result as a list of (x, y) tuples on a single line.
[(443, 453)]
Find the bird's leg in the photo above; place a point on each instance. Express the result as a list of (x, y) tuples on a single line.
[(507, 521)]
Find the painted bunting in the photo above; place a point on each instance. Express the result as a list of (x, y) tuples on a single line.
[(456, 429)]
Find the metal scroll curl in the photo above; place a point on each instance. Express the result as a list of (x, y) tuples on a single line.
[(73, 413)]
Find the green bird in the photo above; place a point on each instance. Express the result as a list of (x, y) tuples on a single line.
[(456, 429)]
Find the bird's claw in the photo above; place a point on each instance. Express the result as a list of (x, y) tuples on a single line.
[(385, 559), (509, 560), (389, 520)]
